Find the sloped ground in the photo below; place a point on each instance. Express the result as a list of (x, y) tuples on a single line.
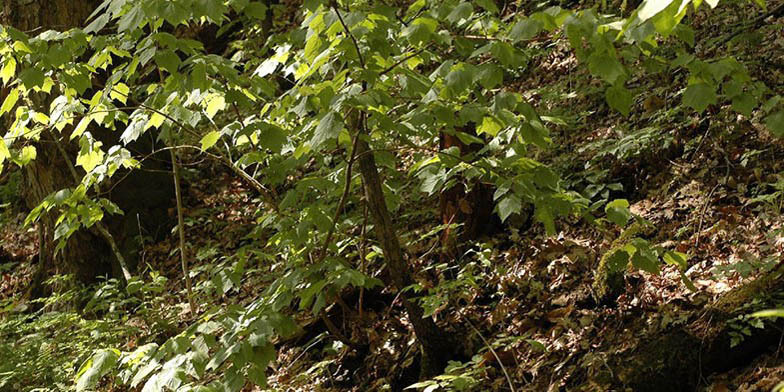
[(707, 190)]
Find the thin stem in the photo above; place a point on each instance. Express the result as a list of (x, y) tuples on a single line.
[(181, 229), (495, 354), (353, 39), (342, 203), (403, 60)]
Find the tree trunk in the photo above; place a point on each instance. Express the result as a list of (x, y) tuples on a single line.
[(472, 208), (437, 347), (679, 358), (84, 253), (41, 15)]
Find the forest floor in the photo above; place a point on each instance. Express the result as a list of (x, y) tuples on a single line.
[(712, 189)]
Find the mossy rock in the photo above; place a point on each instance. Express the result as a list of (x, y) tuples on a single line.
[(608, 281)]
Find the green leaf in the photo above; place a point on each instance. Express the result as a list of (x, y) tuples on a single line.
[(536, 133), (689, 284), (209, 140), (699, 96), (423, 384), (57, 56), (619, 98), (507, 55), (98, 23), (8, 71), (212, 9), (462, 12), (215, 103), (644, 258), (459, 79), (617, 261), (120, 92), (536, 345), (257, 375), (774, 122), (685, 34), (665, 21), (618, 212), (32, 78), (606, 66), (9, 101), (744, 103), (652, 7), (420, 30), (81, 127), (488, 5), (4, 152), (168, 60), (273, 138), (490, 126), (256, 10), (135, 129), (328, 127), (95, 368), (313, 47), (524, 29), (509, 205), (676, 258), (489, 76), (132, 19), (155, 121)]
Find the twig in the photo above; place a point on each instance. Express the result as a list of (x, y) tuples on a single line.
[(403, 60), (314, 342), (778, 11), (266, 194), (333, 329), (351, 35), (181, 230), (702, 216), (362, 261), (495, 354), (702, 139), (341, 204), (141, 238)]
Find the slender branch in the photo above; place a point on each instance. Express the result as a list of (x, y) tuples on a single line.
[(333, 329), (341, 204), (495, 354), (403, 60), (266, 194), (778, 11), (348, 32), (181, 230), (362, 257)]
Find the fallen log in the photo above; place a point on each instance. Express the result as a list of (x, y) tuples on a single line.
[(680, 358)]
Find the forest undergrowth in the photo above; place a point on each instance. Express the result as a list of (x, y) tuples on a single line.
[(524, 303)]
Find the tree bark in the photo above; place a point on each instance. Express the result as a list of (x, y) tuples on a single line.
[(472, 208), (48, 173), (437, 347)]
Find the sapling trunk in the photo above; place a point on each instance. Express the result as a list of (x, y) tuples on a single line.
[(181, 229)]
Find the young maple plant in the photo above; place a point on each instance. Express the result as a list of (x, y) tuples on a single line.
[(328, 115)]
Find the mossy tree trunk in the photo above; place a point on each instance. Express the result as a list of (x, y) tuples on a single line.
[(680, 358)]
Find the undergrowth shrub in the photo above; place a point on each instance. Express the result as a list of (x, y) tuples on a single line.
[(43, 349)]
